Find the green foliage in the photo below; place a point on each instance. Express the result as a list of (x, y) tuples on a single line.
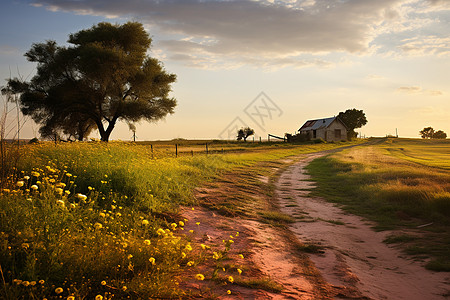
[(429, 133), (353, 118), (102, 78), (244, 133)]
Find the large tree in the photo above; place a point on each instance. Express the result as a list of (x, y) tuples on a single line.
[(104, 76), (353, 118)]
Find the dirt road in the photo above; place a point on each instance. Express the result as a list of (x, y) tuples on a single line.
[(355, 256)]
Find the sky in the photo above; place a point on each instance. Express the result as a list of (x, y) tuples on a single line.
[(267, 64)]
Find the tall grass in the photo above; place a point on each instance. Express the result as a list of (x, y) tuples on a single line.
[(94, 219), (395, 192)]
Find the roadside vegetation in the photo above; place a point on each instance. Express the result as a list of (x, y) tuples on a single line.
[(100, 220), (401, 184)]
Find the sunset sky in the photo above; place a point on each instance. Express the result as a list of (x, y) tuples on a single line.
[(268, 64)]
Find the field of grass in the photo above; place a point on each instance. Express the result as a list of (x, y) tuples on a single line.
[(97, 220), (399, 184)]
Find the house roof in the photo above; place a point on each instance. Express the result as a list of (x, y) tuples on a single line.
[(317, 124)]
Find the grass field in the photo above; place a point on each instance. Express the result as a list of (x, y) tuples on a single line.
[(400, 184), (97, 220)]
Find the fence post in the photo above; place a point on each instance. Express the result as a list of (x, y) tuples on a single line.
[(176, 150), (192, 152), (206, 148), (151, 147)]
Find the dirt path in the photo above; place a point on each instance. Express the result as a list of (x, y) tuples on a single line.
[(355, 256)]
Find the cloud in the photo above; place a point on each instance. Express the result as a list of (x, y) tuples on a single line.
[(249, 31), (8, 50), (409, 89), (426, 45), (418, 90)]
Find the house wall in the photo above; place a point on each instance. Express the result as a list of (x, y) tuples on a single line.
[(328, 134)]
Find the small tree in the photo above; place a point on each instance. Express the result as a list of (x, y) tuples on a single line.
[(439, 135), (353, 118), (244, 133), (427, 133)]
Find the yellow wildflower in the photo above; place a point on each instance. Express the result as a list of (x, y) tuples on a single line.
[(241, 256), (183, 255), (239, 271), (145, 222), (98, 226), (25, 283), (188, 247), (20, 183), (173, 225), (216, 255), (229, 292), (33, 283), (200, 277), (34, 187), (41, 281), (190, 263), (99, 297), (147, 242), (59, 290), (81, 197), (130, 256), (59, 191), (103, 282), (124, 288), (152, 260), (160, 231), (71, 298), (181, 223), (230, 279)]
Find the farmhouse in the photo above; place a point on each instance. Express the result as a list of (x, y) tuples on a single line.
[(328, 129)]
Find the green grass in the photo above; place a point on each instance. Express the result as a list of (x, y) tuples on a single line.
[(84, 224), (396, 191), (434, 153)]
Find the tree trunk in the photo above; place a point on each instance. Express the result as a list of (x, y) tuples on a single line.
[(106, 133)]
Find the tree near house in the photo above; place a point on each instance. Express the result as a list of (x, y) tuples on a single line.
[(353, 118), (244, 133), (103, 77)]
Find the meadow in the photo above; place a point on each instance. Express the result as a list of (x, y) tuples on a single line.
[(401, 185), (101, 220)]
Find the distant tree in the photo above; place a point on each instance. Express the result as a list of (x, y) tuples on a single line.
[(439, 135), (244, 133), (427, 133), (104, 76), (353, 118)]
